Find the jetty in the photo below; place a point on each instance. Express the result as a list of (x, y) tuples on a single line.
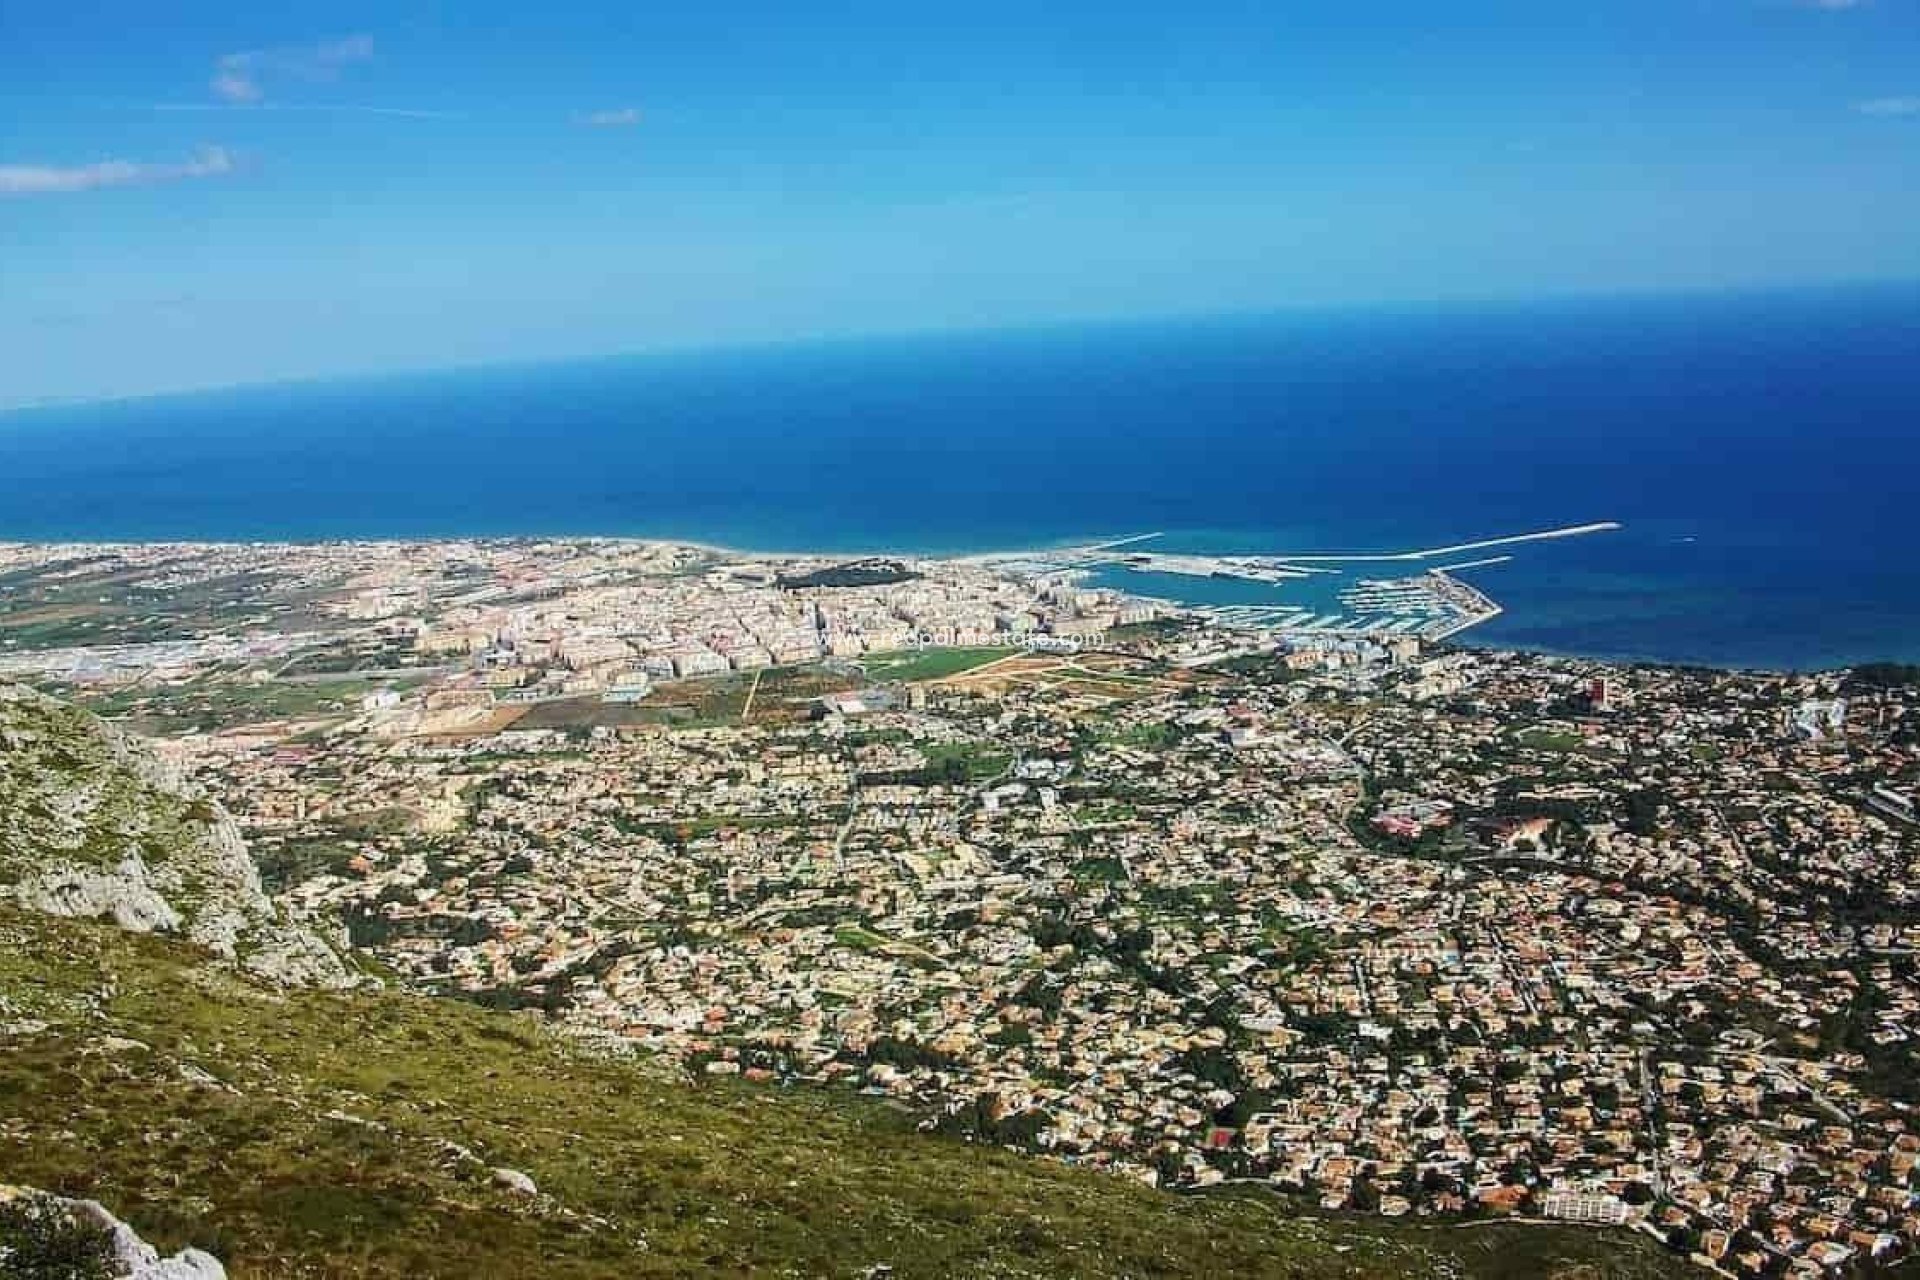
[(1268, 567), (1458, 548)]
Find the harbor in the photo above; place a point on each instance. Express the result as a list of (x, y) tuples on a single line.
[(1430, 608), (1429, 604)]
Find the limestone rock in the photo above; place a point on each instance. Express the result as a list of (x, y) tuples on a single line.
[(141, 1260), (515, 1181), (137, 1259), (123, 895), (94, 825)]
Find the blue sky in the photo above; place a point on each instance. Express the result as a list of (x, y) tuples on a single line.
[(232, 193)]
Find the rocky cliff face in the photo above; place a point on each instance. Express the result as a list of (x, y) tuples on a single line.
[(94, 825)]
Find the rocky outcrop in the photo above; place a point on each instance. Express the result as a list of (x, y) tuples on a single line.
[(122, 894), (123, 1252), (94, 825)]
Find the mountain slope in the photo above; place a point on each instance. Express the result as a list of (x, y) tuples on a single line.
[(307, 1132), (93, 825), (357, 1134)]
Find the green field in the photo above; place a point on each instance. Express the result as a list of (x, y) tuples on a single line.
[(1109, 870), (967, 761), (930, 664), (1558, 741)]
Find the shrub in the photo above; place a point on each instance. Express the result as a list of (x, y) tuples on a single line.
[(43, 1239)]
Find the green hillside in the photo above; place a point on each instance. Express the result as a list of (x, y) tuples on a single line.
[(317, 1134), (293, 1130)]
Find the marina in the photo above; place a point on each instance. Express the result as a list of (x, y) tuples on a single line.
[(1430, 604)]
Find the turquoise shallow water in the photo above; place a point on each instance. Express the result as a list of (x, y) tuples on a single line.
[(1763, 452)]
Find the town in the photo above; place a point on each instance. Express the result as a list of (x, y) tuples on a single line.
[(1383, 926)]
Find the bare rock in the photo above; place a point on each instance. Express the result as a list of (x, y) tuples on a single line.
[(135, 1258), (515, 1181), (93, 825), (141, 1260)]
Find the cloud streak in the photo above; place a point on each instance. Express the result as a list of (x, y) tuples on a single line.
[(621, 118), (242, 78), (36, 179), (1900, 106), (310, 108)]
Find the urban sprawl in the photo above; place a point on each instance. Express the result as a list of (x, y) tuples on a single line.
[(1383, 926)]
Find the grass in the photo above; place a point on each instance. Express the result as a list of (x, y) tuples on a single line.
[(1150, 735), (979, 761), (353, 1134), (1104, 869), (857, 938), (930, 664), (122, 811), (1155, 629), (1558, 741)]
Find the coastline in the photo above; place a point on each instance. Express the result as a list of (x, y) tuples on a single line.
[(1020, 563), (1768, 518)]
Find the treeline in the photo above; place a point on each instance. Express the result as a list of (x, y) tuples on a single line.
[(1127, 949), (858, 573)]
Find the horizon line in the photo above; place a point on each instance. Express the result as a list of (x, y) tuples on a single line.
[(833, 338)]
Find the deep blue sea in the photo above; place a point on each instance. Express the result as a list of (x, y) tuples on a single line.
[(1763, 452)]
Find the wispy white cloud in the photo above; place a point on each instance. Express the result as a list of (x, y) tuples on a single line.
[(1899, 106), (242, 78), (1834, 6), (619, 118), (312, 108), (37, 179)]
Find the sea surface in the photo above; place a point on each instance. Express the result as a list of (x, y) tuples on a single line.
[(1762, 451)]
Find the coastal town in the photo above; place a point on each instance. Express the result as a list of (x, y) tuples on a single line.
[(1383, 925)]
